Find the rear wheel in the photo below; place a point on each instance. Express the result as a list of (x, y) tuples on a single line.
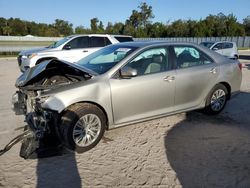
[(216, 100), (82, 127)]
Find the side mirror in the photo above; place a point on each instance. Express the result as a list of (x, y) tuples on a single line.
[(215, 49), (128, 72), (67, 47)]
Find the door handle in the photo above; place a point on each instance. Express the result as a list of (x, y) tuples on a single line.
[(169, 78), (85, 51), (213, 70)]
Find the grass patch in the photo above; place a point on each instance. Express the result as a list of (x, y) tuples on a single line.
[(8, 54), (244, 48)]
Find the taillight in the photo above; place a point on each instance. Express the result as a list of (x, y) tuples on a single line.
[(240, 66)]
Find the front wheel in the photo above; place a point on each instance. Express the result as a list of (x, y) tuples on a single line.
[(82, 127), (216, 100)]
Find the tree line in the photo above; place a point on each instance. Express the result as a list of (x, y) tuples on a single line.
[(139, 24)]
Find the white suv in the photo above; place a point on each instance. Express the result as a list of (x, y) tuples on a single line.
[(225, 48), (71, 49)]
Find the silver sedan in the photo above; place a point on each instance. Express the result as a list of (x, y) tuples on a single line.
[(122, 84)]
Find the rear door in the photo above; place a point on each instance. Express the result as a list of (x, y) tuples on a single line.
[(228, 49), (196, 74), (96, 43)]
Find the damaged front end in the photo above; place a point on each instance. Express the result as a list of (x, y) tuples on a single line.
[(43, 138)]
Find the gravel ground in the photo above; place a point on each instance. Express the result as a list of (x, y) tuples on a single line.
[(185, 150)]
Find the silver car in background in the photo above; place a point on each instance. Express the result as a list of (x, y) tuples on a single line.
[(225, 48), (119, 85)]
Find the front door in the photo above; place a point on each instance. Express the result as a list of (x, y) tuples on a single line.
[(75, 49), (150, 93)]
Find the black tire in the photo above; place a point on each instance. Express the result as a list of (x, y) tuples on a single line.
[(211, 109), (69, 122), (236, 57)]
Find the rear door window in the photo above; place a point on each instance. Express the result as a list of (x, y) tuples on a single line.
[(187, 56), (99, 42), (227, 45), (124, 39)]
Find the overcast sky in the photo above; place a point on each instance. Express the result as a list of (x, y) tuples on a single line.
[(79, 12)]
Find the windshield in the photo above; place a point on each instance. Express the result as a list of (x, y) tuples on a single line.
[(60, 42), (207, 44), (103, 60)]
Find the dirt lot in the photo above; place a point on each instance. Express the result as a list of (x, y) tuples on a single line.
[(185, 150)]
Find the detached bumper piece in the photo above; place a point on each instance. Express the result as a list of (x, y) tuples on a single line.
[(39, 139), (25, 135), (44, 143)]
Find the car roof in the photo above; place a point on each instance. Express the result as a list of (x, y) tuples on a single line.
[(218, 41), (98, 35), (144, 44), (141, 44)]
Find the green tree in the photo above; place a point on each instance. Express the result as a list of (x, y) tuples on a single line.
[(156, 30), (246, 24), (142, 17), (18, 27), (109, 28), (101, 27), (63, 27), (94, 25), (146, 14), (118, 28), (7, 30), (82, 30), (178, 29), (3, 22)]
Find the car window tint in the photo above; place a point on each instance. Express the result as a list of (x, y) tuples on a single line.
[(99, 41), (124, 39), (107, 41), (217, 46), (227, 45), (189, 57), (150, 61), (79, 42), (207, 44)]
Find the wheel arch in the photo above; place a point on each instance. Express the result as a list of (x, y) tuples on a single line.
[(44, 59), (93, 103), (227, 85)]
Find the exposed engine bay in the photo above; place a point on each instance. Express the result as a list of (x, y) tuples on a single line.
[(43, 136)]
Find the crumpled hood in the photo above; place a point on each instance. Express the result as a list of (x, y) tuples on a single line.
[(37, 70)]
